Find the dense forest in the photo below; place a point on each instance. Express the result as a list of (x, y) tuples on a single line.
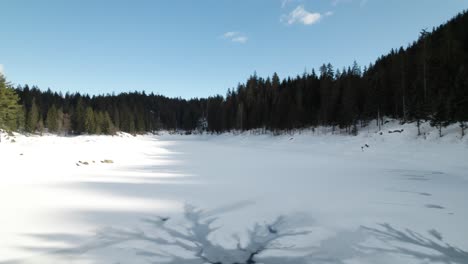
[(428, 80)]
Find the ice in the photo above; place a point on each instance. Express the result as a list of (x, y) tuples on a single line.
[(402, 199)]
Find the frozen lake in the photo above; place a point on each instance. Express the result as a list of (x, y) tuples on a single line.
[(55, 207)]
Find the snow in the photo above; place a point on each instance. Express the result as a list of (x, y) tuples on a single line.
[(56, 209)]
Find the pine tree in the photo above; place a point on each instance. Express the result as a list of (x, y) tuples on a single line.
[(423, 37), (89, 121), (79, 117), (116, 117), (40, 125), (52, 120), (67, 123), (439, 117), (107, 125), (60, 121), (21, 118), (98, 122), (9, 106), (140, 122), (33, 118), (461, 101)]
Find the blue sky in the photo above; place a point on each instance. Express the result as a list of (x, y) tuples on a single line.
[(197, 48)]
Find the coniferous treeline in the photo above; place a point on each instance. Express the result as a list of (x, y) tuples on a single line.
[(129, 112), (428, 80)]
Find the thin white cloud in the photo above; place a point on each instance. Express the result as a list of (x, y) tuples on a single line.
[(301, 16), (230, 34), (240, 39), (235, 36), (337, 2)]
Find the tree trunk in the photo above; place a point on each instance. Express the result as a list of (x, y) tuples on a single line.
[(463, 126), (418, 123), (425, 80), (425, 69), (404, 109), (403, 88), (378, 119)]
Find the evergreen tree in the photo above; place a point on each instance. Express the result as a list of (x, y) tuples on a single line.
[(60, 122), (107, 125), (98, 123), (116, 117), (9, 107), (32, 118), (461, 99), (79, 116), (439, 118), (40, 125), (21, 119), (89, 121), (52, 120)]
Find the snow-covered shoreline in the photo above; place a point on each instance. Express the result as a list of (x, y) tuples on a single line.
[(57, 191)]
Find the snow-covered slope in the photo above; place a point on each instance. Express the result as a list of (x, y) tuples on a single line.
[(57, 193)]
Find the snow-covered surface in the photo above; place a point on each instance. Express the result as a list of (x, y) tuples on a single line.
[(52, 205)]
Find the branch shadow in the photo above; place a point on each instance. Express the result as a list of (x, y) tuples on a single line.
[(430, 247), (164, 240)]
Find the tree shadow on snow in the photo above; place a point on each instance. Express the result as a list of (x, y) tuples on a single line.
[(430, 248), (192, 241)]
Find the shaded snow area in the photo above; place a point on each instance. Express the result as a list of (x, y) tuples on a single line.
[(304, 197)]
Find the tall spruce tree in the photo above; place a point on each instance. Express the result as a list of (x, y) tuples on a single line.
[(32, 118), (21, 118), (9, 107), (52, 120), (89, 121)]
